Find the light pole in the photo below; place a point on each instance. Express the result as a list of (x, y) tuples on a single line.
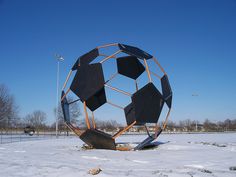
[(59, 58), (196, 124)]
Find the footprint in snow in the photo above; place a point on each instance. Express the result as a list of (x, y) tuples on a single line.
[(94, 158), (140, 161), (195, 166), (20, 151)]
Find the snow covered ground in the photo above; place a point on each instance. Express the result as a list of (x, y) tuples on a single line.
[(179, 155)]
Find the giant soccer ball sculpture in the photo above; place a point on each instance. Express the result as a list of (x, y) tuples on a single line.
[(89, 85)]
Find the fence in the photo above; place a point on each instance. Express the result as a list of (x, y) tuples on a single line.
[(11, 136)]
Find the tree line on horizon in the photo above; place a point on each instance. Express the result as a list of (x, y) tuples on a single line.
[(205, 126), (9, 118)]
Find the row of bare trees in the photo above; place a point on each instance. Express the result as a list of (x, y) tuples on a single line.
[(37, 119), (207, 125)]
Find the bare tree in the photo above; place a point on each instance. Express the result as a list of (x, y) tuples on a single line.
[(108, 125), (8, 109), (36, 119), (74, 110), (210, 126), (171, 126)]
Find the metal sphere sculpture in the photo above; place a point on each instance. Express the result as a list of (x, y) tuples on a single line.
[(89, 85)]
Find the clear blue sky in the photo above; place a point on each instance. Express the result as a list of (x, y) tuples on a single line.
[(195, 42)]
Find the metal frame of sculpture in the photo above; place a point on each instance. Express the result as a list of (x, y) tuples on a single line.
[(89, 85)]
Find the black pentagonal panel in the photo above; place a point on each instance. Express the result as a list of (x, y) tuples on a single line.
[(86, 58), (130, 66), (96, 100), (169, 101), (89, 57), (76, 65), (166, 90), (134, 51), (129, 114), (88, 81), (65, 108), (98, 139), (148, 103)]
